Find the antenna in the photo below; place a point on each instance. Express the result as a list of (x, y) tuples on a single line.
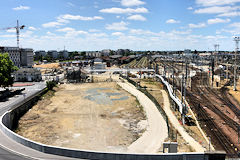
[(236, 39)]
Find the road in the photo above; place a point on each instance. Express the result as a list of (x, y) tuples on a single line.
[(11, 150)]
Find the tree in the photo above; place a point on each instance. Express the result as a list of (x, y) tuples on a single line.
[(6, 68)]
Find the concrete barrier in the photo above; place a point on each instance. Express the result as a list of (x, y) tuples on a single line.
[(8, 121)]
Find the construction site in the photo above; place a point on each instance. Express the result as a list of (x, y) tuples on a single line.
[(197, 102), (89, 116)]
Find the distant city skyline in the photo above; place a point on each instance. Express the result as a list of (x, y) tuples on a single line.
[(128, 24)]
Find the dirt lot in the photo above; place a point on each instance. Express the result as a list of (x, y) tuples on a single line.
[(50, 65), (96, 116)]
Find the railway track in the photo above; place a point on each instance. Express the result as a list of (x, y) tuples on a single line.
[(212, 106), (196, 97)]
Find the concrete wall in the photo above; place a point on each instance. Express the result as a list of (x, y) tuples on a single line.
[(10, 118)]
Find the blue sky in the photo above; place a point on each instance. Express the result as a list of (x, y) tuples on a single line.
[(113, 24)]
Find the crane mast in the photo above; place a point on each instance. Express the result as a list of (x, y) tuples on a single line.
[(18, 28)]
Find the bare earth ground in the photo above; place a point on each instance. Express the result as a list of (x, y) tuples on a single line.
[(235, 94), (94, 116), (50, 65), (155, 88)]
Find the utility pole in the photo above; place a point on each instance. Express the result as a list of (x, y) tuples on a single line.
[(209, 144), (216, 46), (212, 70), (236, 39)]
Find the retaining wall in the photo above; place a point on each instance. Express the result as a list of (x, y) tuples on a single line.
[(10, 118)]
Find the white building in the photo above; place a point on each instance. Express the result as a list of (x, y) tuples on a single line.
[(13, 53), (94, 54), (27, 75)]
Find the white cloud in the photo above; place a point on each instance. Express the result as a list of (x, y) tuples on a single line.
[(236, 25), (229, 14), (216, 2), (199, 25), (117, 34), (67, 29), (32, 28), (124, 10), (52, 24), (94, 30), (71, 32), (70, 4), (13, 30), (21, 8), (129, 3), (117, 26), (63, 19), (137, 17), (78, 17), (172, 21), (190, 8), (218, 20), (216, 10)]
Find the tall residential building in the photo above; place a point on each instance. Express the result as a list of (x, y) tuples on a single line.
[(26, 57), (22, 57), (53, 54), (40, 53), (14, 54), (64, 54)]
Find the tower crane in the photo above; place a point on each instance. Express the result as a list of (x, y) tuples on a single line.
[(18, 28)]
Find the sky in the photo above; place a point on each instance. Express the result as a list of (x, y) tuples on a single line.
[(140, 25)]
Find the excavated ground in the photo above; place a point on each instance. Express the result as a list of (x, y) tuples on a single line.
[(96, 116)]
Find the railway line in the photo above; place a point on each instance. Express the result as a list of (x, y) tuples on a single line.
[(201, 97)]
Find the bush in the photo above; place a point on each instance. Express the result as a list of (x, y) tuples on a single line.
[(51, 85)]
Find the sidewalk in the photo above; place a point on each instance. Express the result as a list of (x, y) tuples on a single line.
[(156, 132)]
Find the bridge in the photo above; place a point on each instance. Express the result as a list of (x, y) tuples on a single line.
[(119, 70)]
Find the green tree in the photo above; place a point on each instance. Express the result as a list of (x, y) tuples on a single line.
[(6, 68)]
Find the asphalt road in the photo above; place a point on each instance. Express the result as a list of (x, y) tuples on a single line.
[(5, 106), (11, 150)]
